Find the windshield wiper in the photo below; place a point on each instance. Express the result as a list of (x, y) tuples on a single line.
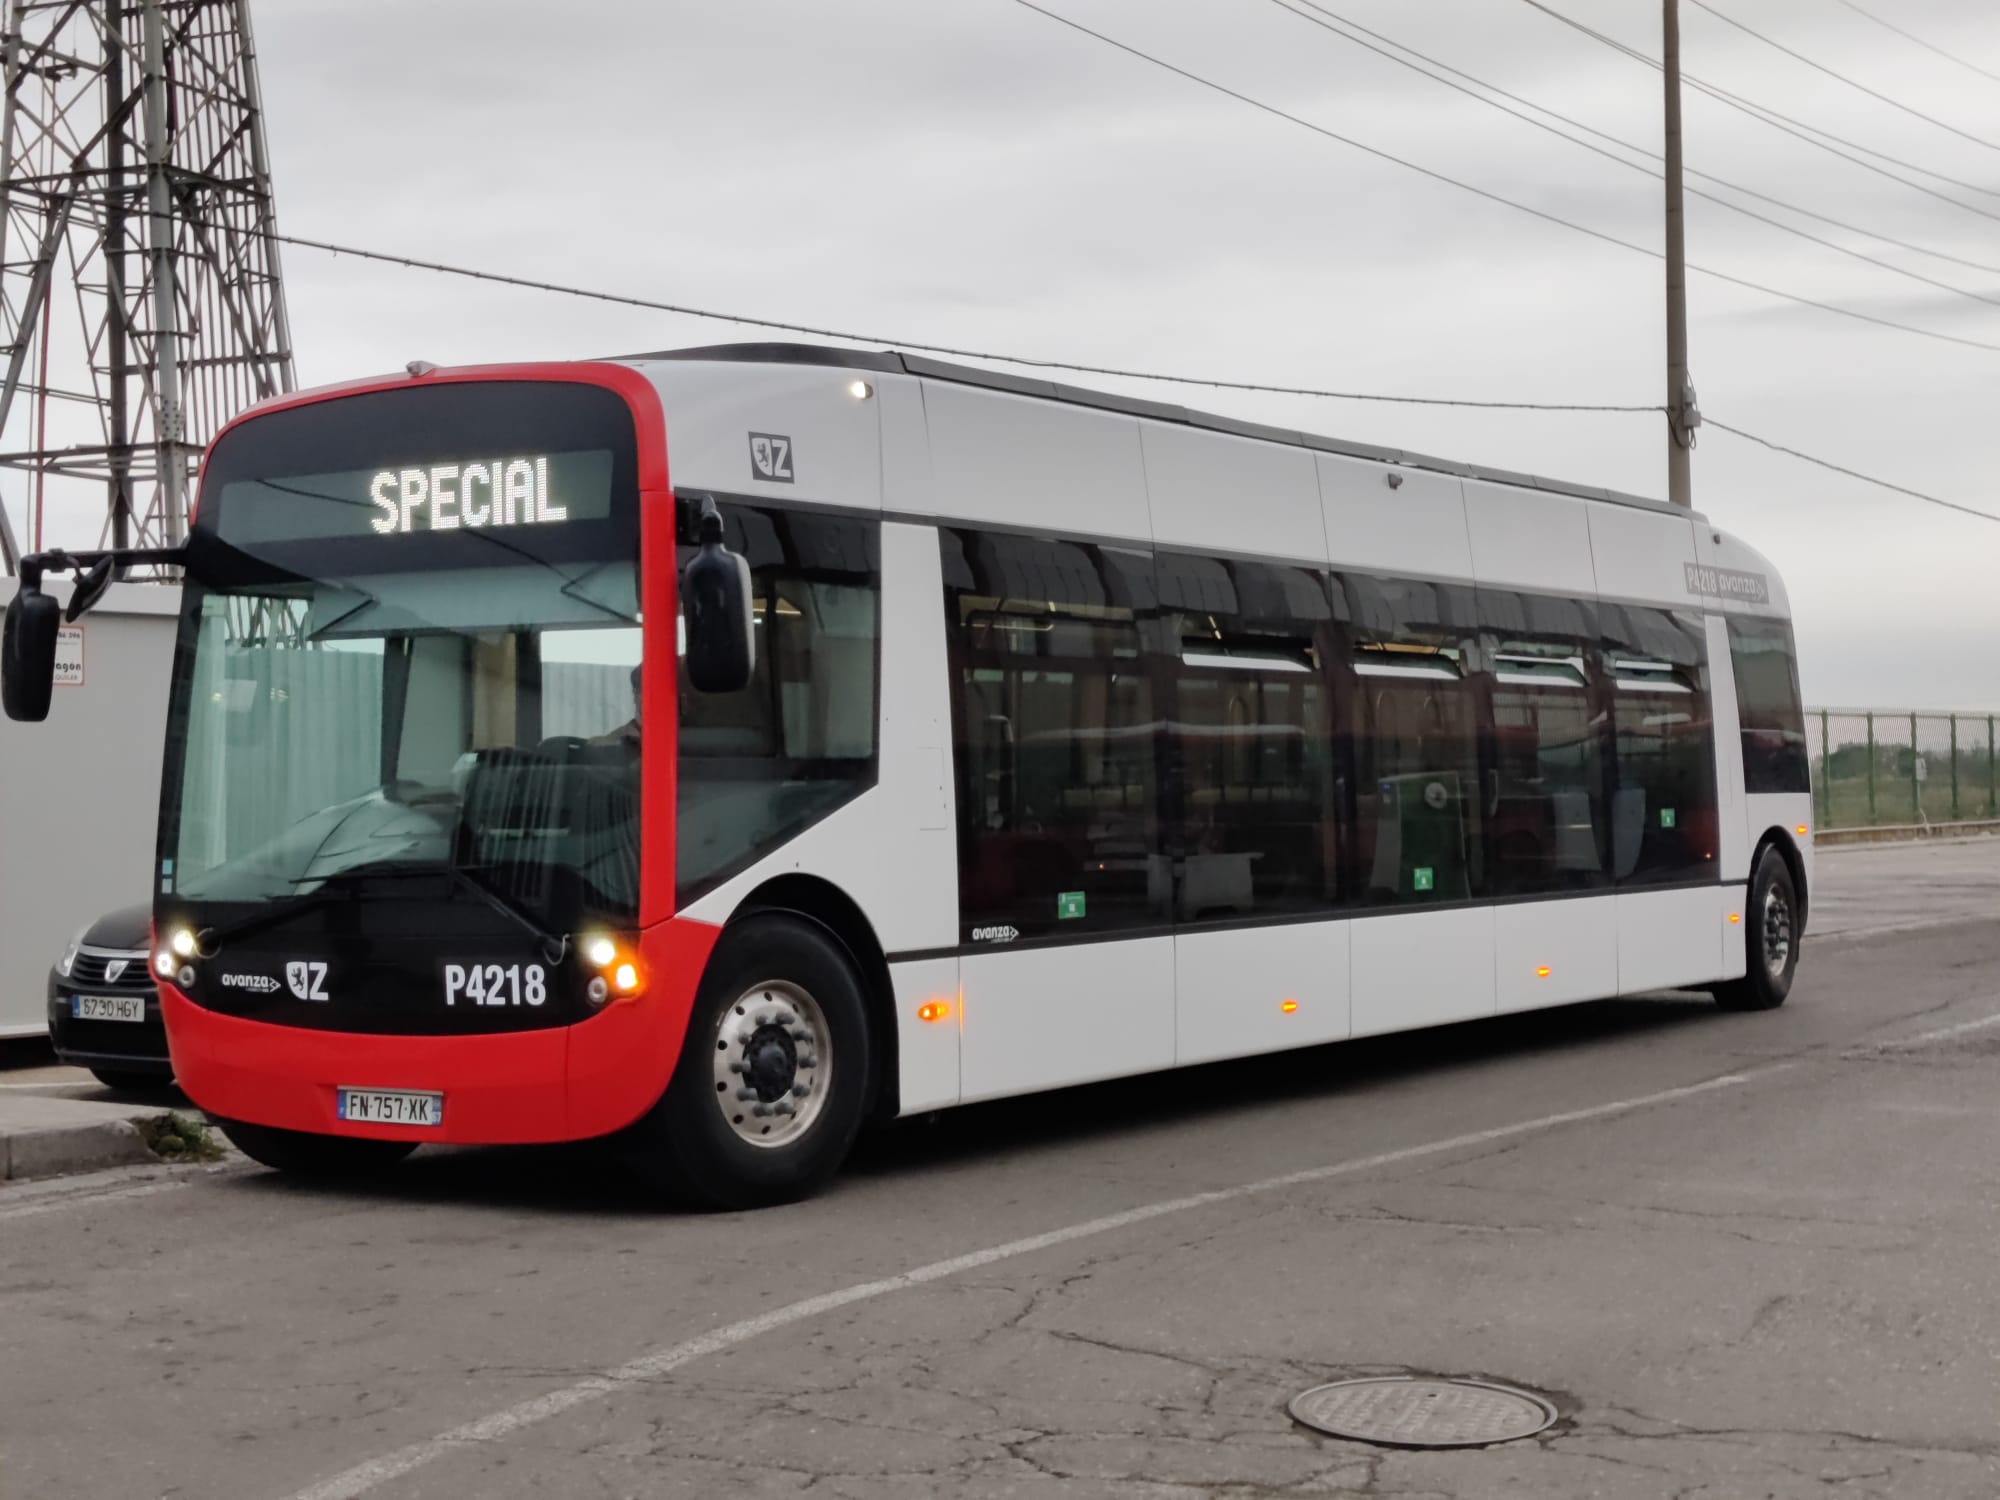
[(555, 945), (212, 938)]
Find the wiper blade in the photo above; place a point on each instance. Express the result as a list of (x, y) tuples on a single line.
[(555, 945), (212, 938)]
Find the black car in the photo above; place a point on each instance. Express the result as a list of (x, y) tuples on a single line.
[(104, 1013)]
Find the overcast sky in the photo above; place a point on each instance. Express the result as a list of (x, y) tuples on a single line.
[(968, 172)]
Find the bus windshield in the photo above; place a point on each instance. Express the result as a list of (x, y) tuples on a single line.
[(364, 690)]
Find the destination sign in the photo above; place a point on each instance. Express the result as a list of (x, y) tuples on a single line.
[(481, 492), (456, 492)]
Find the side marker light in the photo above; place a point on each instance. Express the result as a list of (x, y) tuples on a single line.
[(1735, 917), (1542, 972), (1288, 1006), (934, 1010), (1802, 830)]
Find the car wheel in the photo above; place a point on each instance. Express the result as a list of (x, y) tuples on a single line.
[(774, 1076), (306, 1155), (1770, 937)]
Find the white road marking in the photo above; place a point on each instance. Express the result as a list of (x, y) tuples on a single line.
[(26, 1200), (1942, 1034), (376, 1472), (76, 1200)]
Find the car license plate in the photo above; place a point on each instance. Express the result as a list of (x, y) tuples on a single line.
[(108, 1007), (391, 1107)]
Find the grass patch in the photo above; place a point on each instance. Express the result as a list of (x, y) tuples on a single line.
[(177, 1137)]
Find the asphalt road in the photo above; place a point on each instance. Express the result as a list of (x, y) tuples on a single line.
[(1748, 1256)]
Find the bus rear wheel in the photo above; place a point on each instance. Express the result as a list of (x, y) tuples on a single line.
[(1770, 939), (774, 1076), (306, 1155)]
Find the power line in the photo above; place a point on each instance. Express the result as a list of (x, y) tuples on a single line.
[(1899, 489), (1637, 149), (623, 300), (530, 284), (1909, 36), (1790, 125), (1493, 197), (1888, 99), (1735, 208)]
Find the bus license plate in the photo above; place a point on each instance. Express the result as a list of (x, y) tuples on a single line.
[(108, 1007), (391, 1107)]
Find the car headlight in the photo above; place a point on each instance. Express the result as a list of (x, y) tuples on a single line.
[(68, 960)]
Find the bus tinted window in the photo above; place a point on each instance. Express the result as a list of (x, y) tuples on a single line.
[(1054, 689), (1546, 829), (1253, 810), (1768, 706), (1663, 825), (758, 766), (1419, 834)]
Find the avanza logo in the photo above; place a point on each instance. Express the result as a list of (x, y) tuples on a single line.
[(259, 984), (995, 934)]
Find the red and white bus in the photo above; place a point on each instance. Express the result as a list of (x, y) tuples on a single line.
[(724, 748)]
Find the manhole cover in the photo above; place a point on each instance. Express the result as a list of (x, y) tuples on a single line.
[(1406, 1411)]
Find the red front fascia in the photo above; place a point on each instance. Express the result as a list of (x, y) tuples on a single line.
[(566, 1083)]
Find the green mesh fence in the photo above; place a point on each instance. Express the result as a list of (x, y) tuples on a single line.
[(1883, 767)]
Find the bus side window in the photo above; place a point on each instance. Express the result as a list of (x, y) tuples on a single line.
[(1545, 790), (1055, 686), (1254, 818), (1420, 814), (1773, 720), (1663, 818), (759, 766)]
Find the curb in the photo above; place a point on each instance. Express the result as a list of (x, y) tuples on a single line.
[(71, 1148)]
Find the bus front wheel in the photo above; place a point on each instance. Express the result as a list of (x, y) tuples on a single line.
[(774, 1075), (1770, 937), (306, 1155)]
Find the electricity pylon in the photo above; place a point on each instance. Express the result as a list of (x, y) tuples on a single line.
[(140, 299)]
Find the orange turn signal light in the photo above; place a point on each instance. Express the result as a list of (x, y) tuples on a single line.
[(1542, 972), (625, 978), (1288, 1006), (934, 1010), (1802, 830), (1735, 917)]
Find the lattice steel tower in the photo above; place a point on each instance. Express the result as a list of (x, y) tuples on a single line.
[(133, 175)]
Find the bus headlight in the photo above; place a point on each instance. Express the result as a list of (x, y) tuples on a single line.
[(182, 941)]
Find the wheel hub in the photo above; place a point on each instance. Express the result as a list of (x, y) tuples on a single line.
[(773, 1063), (1777, 932)]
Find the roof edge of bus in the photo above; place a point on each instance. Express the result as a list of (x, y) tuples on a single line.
[(895, 362), (362, 385)]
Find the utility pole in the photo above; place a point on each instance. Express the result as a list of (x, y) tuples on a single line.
[(1683, 416)]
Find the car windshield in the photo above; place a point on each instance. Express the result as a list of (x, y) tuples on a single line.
[(457, 697)]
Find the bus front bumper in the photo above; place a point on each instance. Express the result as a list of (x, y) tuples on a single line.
[(566, 1083)]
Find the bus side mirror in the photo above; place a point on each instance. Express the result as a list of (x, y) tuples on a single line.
[(715, 601), (28, 650)]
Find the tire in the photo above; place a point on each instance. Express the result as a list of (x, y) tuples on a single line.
[(1770, 939), (132, 1081), (305, 1155), (780, 1025)]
